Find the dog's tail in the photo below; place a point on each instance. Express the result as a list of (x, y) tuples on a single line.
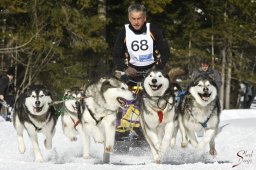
[(176, 72)]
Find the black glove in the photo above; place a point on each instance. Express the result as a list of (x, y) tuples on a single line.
[(131, 72)]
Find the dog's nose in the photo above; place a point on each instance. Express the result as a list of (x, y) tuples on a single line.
[(37, 103), (154, 81), (205, 89), (77, 103)]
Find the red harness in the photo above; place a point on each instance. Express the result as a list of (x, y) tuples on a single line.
[(160, 116)]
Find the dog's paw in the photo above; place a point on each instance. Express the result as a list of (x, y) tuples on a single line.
[(158, 161), (86, 156), (173, 142), (48, 145), (39, 159), (73, 139), (184, 144), (213, 152), (109, 149), (22, 148), (99, 138), (200, 145)]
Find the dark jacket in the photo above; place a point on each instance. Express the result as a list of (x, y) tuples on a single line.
[(214, 74), (159, 44), (4, 84)]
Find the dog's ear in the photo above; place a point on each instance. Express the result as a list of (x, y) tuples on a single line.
[(106, 85), (66, 92)]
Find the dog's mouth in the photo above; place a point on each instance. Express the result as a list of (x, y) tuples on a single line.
[(122, 102), (38, 109), (155, 87), (75, 107), (205, 96)]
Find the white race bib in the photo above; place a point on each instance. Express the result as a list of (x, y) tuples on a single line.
[(140, 47)]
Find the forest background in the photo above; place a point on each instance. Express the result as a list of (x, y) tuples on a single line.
[(66, 43)]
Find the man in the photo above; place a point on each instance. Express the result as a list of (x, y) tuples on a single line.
[(205, 69), (139, 46), (4, 87)]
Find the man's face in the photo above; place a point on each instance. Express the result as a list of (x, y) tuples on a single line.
[(137, 19), (204, 66)]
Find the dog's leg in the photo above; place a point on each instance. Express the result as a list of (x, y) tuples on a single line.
[(174, 135), (109, 124), (86, 141), (168, 133), (184, 139), (154, 151), (34, 140), (212, 151), (49, 135), (209, 133), (19, 128), (192, 138), (68, 128)]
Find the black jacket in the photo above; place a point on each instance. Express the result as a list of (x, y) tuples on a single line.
[(4, 84), (159, 44), (214, 74)]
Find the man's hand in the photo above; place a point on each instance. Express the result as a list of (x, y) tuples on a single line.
[(131, 72), (1, 97)]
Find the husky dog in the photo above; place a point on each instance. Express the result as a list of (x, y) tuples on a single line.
[(200, 110), (103, 98), (158, 112), (34, 113), (72, 112)]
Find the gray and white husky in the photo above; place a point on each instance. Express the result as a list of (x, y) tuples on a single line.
[(200, 110), (103, 98), (158, 112), (72, 112), (34, 113)]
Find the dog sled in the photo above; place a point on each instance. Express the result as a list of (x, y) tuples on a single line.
[(128, 128)]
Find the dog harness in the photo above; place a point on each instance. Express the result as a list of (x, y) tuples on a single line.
[(30, 121), (94, 118), (188, 102)]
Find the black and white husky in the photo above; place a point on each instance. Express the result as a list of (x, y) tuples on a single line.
[(158, 112), (73, 107), (34, 113), (200, 110), (102, 100)]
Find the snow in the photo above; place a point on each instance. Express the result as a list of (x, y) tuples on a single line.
[(237, 137)]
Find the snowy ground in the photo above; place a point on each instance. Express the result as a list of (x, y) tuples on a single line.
[(236, 144)]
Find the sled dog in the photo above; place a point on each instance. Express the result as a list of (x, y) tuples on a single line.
[(200, 110), (33, 113), (103, 98), (72, 112), (158, 112)]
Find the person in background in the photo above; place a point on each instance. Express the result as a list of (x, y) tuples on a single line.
[(5, 81), (139, 46), (205, 69)]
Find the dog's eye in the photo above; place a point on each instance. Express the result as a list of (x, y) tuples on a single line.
[(33, 96), (122, 88), (199, 85), (160, 76), (41, 95)]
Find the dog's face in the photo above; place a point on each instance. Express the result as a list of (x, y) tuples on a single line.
[(37, 100), (73, 97), (203, 91), (115, 93), (156, 83)]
